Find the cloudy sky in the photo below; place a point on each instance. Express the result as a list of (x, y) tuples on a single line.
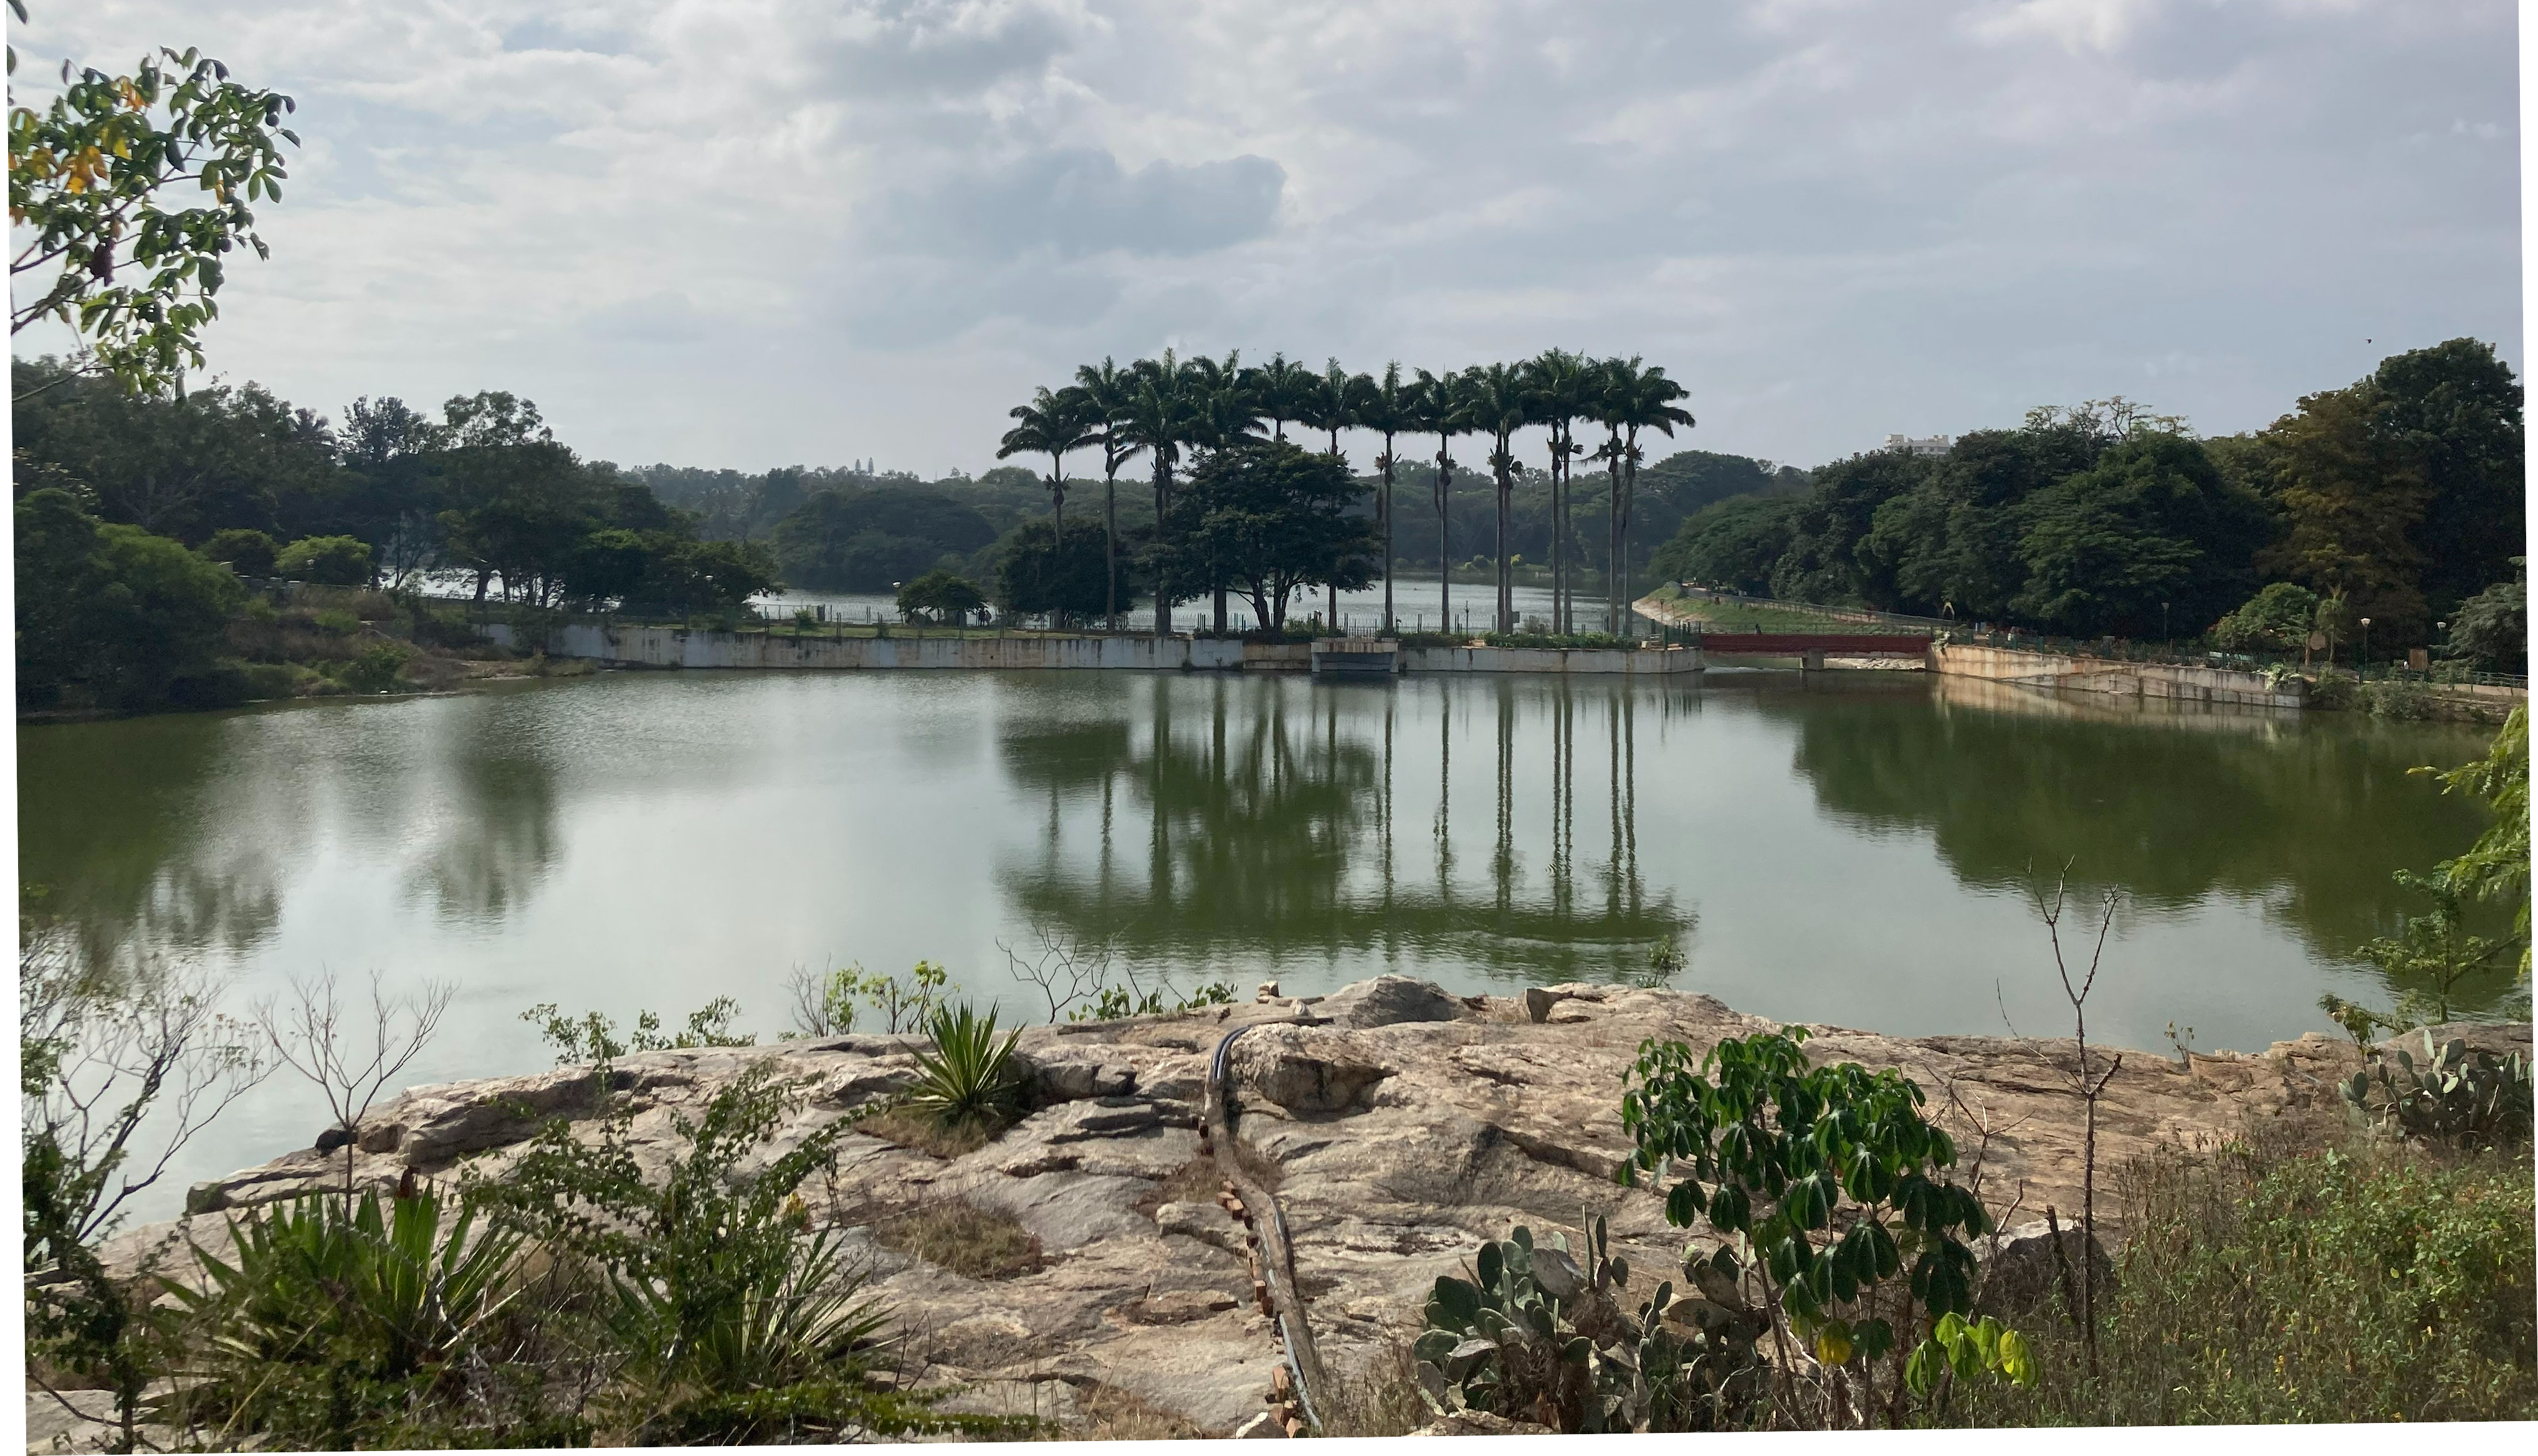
[(751, 233)]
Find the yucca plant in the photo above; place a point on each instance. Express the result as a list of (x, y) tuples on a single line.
[(967, 1079), (332, 1314)]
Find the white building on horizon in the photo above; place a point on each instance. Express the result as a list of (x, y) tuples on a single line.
[(1936, 444)]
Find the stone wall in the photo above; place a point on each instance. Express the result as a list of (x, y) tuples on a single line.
[(2081, 674)]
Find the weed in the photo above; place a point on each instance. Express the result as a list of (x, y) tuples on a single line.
[(960, 1237)]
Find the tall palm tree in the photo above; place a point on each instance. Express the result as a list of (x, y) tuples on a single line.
[(1496, 400), (1389, 407), (1225, 413), (1053, 424), (1444, 411), (1280, 390), (1157, 417), (1632, 398), (1330, 405), (1559, 380), (1109, 387)]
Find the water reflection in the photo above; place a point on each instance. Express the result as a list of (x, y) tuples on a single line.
[(2306, 814), (1233, 823)]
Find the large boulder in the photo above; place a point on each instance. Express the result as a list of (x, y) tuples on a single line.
[(2021, 1276)]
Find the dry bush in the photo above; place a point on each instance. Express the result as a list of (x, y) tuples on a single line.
[(920, 1131), (1381, 1400), (1116, 1414), (969, 1240)]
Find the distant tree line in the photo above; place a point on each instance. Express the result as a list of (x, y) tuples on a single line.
[(486, 491), (2398, 498)]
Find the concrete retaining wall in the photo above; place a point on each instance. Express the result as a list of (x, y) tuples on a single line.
[(1622, 661), (669, 646), (2184, 683)]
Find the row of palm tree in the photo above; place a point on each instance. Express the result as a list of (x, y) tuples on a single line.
[(1175, 410)]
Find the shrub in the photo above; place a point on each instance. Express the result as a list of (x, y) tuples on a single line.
[(330, 561), (2264, 1285), (2470, 1100), (376, 668), (330, 1316), (249, 553), (731, 1325), (2277, 619), (1830, 1177), (336, 623)]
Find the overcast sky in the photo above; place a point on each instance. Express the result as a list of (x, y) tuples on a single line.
[(751, 233)]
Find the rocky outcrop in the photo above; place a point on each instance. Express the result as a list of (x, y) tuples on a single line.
[(1399, 1124)]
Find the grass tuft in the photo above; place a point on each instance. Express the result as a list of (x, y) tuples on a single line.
[(960, 1237)]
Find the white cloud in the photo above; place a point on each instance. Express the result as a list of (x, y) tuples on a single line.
[(748, 232)]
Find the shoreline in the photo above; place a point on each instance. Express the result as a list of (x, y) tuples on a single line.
[(1397, 1125)]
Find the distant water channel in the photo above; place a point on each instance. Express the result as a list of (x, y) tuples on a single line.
[(1847, 848)]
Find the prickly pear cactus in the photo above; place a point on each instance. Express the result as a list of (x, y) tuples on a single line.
[(2452, 1096), (1540, 1333)]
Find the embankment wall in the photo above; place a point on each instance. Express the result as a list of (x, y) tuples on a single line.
[(2077, 674), (667, 646)]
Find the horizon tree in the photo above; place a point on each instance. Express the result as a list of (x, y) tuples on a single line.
[(1108, 388), (1496, 405)]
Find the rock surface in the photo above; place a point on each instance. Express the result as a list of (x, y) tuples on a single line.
[(1402, 1126)]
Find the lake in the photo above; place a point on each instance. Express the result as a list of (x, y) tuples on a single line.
[(1848, 847)]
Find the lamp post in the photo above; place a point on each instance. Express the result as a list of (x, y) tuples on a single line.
[(2365, 664), (2163, 625)]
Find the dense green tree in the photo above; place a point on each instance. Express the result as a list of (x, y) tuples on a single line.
[(2348, 498), (1950, 543), (2278, 619), (132, 620), (1038, 576), (328, 561), (867, 540), (2453, 412), (1824, 561), (249, 553), (1270, 518), (2149, 535), (1735, 544), (944, 596), (2490, 630), (181, 466)]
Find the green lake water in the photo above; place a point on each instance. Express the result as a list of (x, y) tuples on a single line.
[(1845, 848)]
